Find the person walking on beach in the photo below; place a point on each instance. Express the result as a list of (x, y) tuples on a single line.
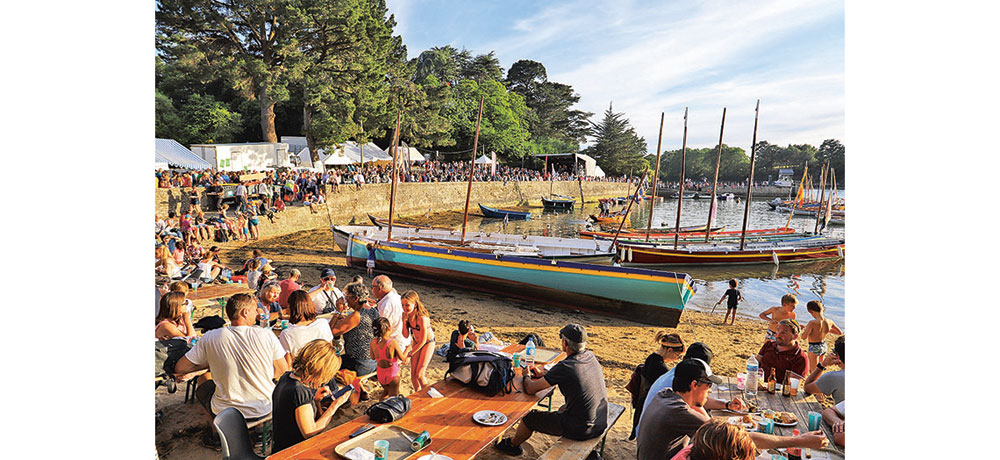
[(775, 314), (735, 297), (580, 378), (370, 264), (816, 331)]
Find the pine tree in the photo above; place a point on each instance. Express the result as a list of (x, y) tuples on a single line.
[(616, 146)]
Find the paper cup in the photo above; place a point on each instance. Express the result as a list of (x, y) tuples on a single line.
[(794, 384)]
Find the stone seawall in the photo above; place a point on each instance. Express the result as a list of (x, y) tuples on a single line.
[(354, 205)]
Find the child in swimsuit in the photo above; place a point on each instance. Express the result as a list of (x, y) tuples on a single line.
[(386, 353), (775, 314), (418, 325), (815, 333)]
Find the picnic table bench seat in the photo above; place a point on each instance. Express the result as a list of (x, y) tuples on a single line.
[(566, 449)]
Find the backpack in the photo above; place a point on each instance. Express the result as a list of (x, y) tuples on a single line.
[(168, 352), (486, 371), (534, 337)]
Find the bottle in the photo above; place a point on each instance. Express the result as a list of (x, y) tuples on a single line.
[(794, 453), (786, 389), (772, 382), (751, 386), (529, 354)]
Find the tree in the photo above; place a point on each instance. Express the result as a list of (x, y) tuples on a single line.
[(249, 43), (616, 146), (503, 128), (524, 77), (443, 62), (206, 120), (550, 103), (481, 68), (168, 122), (832, 150), (700, 164)]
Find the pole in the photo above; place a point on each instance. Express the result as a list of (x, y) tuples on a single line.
[(822, 191), (801, 192), (656, 173), (392, 188), (715, 181), (631, 199), (472, 168), (680, 196), (628, 185), (753, 161)]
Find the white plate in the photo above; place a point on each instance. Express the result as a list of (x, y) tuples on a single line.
[(439, 457), (489, 418)]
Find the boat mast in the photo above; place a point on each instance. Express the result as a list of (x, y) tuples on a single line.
[(472, 168), (680, 196), (715, 181), (392, 188), (801, 192), (631, 199), (753, 161), (656, 172), (822, 191)]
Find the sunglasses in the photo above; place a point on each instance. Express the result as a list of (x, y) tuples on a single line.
[(705, 382), (671, 346), (329, 278)]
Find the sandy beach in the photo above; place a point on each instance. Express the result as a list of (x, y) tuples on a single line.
[(619, 345)]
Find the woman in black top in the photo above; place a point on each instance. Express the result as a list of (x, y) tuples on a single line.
[(297, 391), (671, 349), (463, 339)]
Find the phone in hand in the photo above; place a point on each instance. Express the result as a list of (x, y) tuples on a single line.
[(361, 430), (330, 397)]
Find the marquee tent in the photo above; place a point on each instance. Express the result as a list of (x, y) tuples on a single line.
[(175, 155), (410, 154), (484, 160)]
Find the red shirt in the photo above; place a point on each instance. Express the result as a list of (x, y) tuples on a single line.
[(793, 360), (287, 287)]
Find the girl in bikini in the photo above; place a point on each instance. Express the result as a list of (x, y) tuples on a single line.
[(386, 354), (172, 321), (418, 325)]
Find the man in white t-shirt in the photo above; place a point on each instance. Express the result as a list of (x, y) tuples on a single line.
[(325, 295), (243, 360), (390, 307)]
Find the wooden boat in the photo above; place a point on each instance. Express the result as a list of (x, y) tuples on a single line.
[(694, 239), (615, 218), (495, 213), (385, 223), (687, 195), (752, 253), (686, 232), (648, 296), (558, 202)]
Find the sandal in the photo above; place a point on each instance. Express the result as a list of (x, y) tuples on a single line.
[(508, 448)]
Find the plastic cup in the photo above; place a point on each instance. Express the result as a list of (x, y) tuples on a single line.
[(284, 324), (814, 420), (794, 384), (769, 427), (741, 381), (778, 457), (381, 449)]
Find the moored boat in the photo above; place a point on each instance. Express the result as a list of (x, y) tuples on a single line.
[(503, 213), (385, 223), (686, 232), (615, 218), (558, 202), (753, 253)]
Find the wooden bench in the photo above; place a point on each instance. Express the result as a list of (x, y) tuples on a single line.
[(566, 449)]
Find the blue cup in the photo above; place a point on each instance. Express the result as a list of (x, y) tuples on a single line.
[(814, 420), (769, 428)]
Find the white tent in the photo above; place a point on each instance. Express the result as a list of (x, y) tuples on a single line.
[(484, 160), (172, 153), (410, 154), (347, 153), (598, 172)]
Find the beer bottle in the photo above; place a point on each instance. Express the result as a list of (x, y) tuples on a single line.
[(771, 382), (794, 453), (786, 389)]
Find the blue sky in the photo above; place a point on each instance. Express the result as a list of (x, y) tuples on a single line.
[(649, 57)]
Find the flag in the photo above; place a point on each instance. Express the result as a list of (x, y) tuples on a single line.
[(546, 168), (493, 165)]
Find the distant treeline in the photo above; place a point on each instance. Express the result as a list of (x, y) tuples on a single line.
[(735, 164)]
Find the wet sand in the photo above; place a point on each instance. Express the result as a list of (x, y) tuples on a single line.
[(620, 345)]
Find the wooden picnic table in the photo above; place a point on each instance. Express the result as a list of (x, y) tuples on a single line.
[(206, 295), (800, 405), (447, 419)]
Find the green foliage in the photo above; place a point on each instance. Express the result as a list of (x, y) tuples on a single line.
[(199, 119), (445, 63), (503, 127), (551, 116), (700, 164), (616, 147), (833, 151)]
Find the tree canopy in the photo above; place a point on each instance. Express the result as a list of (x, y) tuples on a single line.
[(616, 146)]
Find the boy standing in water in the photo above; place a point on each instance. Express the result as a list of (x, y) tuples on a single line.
[(775, 314), (734, 298), (816, 331)]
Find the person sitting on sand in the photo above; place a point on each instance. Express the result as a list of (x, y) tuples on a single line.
[(165, 263), (289, 285), (462, 339), (210, 268), (831, 383), (298, 389), (417, 324), (718, 440), (834, 416), (784, 353), (735, 297), (387, 355), (696, 350), (303, 326), (671, 349), (775, 314), (243, 360), (325, 295), (253, 273), (816, 331), (580, 379)]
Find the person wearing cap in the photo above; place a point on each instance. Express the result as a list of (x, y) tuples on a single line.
[(325, 295), (696, 350), (581, 381), (288, 286), (783, 354)]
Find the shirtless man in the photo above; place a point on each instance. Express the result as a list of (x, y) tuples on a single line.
[(775, 314), (816, 331)]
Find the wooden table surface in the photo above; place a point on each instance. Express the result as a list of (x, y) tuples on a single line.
[(800, 405), (205, 295), (448, 419)]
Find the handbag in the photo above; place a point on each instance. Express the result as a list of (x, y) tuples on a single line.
[(390, 410)]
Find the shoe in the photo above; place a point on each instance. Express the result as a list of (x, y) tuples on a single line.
[(506, 447), (364, 396), (211, 440)]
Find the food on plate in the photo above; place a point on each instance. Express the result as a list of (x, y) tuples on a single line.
[(747, 418), (786, 417)]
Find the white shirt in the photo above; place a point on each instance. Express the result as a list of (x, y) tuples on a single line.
[(391, 308), (296, 337), (241, 359), (320, 300)]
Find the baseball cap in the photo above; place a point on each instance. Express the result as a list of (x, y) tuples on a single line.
[(700, 351), (327, 273), (694, 369), (574, 333)]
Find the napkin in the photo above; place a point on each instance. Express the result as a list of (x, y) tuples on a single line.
[(434, 393), (359, 453)]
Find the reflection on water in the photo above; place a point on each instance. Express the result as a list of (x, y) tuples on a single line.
[(762, 285)]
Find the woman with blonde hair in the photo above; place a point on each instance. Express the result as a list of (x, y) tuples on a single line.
[(172, 320), (165, 262), (297, 391), (671, 349), (417, 322), (718, 440), (268, 307)]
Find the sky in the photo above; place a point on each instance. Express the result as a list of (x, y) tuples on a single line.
[(648, 57)]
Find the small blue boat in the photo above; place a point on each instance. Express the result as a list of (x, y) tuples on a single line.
[(503, 213)]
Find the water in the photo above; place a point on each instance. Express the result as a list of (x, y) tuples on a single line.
[(762, 285)]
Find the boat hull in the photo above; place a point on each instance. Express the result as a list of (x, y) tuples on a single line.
[(495, 213), (659, 256), (647, 296)]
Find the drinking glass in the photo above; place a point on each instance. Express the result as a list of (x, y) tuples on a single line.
[(381, 449), (794, 383), (741, 381), (814, 420)]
